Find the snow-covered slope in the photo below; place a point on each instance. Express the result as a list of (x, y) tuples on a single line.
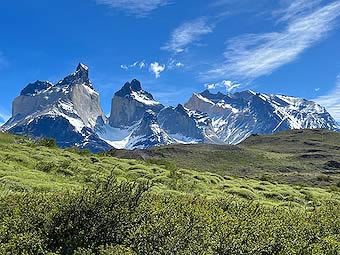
[(237, 116), (67, 111), (137, 120)]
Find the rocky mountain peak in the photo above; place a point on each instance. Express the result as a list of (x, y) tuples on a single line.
[(130, 103), (80, 76), (129, 87), (180, 108), (213, 97), (36, 87), (83, 68)]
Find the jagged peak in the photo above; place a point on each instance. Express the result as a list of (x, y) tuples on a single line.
[(246, 94), (135, 85), (129, 87), (82, 68), (133, 90), (181, 109), (80, 76), (35, 87), (211, 96)]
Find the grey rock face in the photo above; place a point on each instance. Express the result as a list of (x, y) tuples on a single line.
[(67, 111), (130, 104), (179, 121), (148, 133)]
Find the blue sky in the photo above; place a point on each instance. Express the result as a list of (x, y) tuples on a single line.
[(174, 47)]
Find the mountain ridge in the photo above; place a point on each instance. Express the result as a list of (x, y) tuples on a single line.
[(70, 112)]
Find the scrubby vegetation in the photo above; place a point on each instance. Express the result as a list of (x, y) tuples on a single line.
[(126, 218), (55, 201)]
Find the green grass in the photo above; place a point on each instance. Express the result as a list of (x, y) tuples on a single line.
[(28, 166), (303, 157)]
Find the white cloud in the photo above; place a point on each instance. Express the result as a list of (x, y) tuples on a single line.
[(254, 55), (173, 64), (296, 8), (142, 64), (332, 101), (139, 64), (156, 68), (125, 67), (186, 34), (139, 8), (228, 85)]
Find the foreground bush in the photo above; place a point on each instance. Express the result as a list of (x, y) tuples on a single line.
[(125, 218)]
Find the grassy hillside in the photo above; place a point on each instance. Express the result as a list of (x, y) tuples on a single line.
[(304, 157), (173, 200), (26, 165)]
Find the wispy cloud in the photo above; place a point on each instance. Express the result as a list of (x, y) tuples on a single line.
[(156, 68), (139, 8), (227, 85), (332, 101), (188, 33), (254, 55), (173, 64), (137, 64), (295, 9)]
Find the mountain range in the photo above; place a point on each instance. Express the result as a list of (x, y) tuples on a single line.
[(70, 112)]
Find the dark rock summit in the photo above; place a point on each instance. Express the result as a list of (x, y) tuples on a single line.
[(36, 87), (130, 103)]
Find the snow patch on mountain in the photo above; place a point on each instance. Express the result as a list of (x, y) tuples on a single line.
[(143, 98), (236, 116)]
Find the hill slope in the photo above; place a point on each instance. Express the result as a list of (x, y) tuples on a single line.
[(72, 202), (211, 170), (306, 157)]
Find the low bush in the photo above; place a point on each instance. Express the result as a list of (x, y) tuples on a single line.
[(114, 217), (47, 142)]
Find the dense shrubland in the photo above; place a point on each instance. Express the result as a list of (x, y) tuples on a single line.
[(114, 217)]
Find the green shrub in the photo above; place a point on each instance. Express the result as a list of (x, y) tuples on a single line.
[(81, 152), (46, 167), (323, 178), (266, 178), (112, 217), (47, 142)]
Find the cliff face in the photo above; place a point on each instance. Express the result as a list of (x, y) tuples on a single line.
[(130, 104), (67, 111)]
